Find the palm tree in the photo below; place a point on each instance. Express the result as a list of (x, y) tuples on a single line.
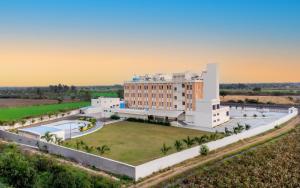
[(58, 140), (48, 137), (78, 143), (188, 141), (201, 140), (165, 149), (178, 145), (102, 149), (88, 149)]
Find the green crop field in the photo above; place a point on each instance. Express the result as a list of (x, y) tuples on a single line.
[(134, 143), (96, 94), (18, 113)]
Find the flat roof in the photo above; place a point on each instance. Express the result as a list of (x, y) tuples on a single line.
[(40, 130)]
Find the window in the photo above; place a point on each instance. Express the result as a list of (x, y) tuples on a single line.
[(175, 88), (175, 97), (183, 103), (227, 113), (175, 106), (214, 107), (183, 94), (218, 106), (183, 85)]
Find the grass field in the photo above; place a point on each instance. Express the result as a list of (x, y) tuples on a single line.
[(135, 143), (96, 94), (18, 113)]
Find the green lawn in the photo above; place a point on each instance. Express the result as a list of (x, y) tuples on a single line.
[(18, 113), (96, 94), (135, 143)]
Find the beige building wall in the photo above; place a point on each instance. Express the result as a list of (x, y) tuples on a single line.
[(162, 95)]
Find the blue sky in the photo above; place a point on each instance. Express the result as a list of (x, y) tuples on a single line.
[(226, 27)]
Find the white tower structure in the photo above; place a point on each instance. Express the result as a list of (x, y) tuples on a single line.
[(209, 112)]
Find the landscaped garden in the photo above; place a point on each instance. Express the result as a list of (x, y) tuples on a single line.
[(18, 113), (135, 143)]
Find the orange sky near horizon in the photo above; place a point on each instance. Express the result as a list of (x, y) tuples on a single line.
[(40, 64)]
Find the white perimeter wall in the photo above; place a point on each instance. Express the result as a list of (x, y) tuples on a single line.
[(149, 168), (146, 169)]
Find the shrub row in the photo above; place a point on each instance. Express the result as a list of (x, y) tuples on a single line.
[(158, 122)]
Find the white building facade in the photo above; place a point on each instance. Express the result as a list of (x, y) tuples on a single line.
[(190, 98)]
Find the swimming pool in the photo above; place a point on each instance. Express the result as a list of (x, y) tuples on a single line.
[(67, 127)]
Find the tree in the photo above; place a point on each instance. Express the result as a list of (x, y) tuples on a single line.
[(78, 144), (204, 150), (88, 149), (178, 145), (15, 169), (227, 132), (48, 137), (223, 93), (240, 127), (201, 140), (256, 89), (165, 149), (58, 140), (188, 141), (87, 96), (103, 149), (120, 93)]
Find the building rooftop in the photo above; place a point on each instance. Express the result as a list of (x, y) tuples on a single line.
[(175, 77)]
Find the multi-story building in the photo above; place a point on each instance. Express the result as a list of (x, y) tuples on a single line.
[(186, 99), (179, 91), (190, 97)]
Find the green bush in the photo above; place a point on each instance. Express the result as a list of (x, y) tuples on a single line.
[(115, 117), (151, 121), (204, 150), (21, 170)]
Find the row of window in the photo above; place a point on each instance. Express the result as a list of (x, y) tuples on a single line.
[(147, 87), (188, 87), (153, 95), (168, 104)]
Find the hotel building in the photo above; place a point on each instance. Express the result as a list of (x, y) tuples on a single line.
[(185, 99), (190, 98)]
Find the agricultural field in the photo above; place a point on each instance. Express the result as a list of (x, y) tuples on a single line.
[(27, 102), (18, 113), (273, 164), (96, 94), (134, 143), (263, 99)]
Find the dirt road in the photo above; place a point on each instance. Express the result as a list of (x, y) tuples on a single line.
[(215, 155)]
